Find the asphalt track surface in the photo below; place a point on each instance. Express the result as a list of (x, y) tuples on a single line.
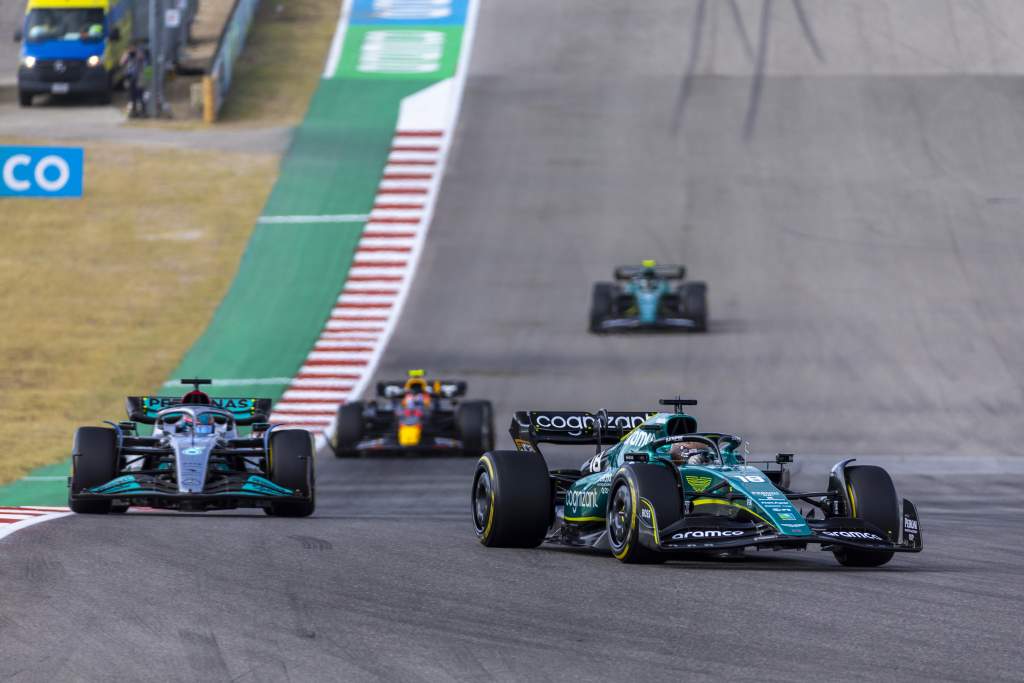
[(854, 206)]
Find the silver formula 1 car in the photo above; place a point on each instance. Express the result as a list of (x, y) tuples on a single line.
[(194, 460)]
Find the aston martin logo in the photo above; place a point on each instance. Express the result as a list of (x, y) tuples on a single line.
[(698, 483)]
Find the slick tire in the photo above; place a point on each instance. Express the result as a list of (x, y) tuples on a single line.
[(693, 300), (475, 422), (512, 499), (349, 430), (635, 488), (24, 99), (601, 305), (291, 465), (94, 462), (873, 499)]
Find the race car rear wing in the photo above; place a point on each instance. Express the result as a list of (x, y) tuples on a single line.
[(666, 272), (445, 388), (530, 427), (246, 411)]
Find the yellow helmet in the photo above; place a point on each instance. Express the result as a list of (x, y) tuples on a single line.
[(416, 380)]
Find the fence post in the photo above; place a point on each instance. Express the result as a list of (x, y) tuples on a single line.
[(209, 102)]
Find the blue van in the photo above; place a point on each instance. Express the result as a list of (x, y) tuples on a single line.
[(72, 47)]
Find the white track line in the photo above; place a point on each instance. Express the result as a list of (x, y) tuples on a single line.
[(344, 358), (338, 41), (14, 519), (239, 382), (326, 218)]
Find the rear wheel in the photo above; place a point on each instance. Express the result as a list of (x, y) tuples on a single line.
[(512, 499), (873, 499), (94, 463), (693, 302), (291, 456), (635, 489), (601, 305), (475, 421), (349, 430)]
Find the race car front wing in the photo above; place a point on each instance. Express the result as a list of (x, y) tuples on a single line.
[(637, 324), (235, 491)]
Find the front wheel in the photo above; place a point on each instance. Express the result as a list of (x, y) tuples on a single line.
[(512, 499), (475, 420), (646, 491), (873, 499), (24, 99), (349, 430), (601, 303), (290, 464), (94, 463), (693, 299)]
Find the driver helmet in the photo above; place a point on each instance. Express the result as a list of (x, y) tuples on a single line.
[(196, 397), (204, 423), (690, 453), (649, 272)]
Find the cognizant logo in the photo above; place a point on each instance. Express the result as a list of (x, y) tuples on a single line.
[(576, 424), (41, 171)]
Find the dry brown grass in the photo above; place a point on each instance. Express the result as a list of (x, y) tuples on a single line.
[(102, 296), (283, 58)]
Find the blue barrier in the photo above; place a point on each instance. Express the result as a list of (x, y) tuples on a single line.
[(41, 171)]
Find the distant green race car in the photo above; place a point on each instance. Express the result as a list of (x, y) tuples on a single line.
[(664, 489), (649, 297)]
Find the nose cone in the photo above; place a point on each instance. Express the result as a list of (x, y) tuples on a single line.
[(409, 435), (647, 306), (192, 462)]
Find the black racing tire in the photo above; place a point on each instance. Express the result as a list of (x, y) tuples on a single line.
[(693, 304), (475, 422), (873, 500), (631, 486), (512, 499), (24, 99), (291, 465), (601, 303), (93, 463), (349, 430)]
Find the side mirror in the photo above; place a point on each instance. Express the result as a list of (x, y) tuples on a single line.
[(635, 457), (783, 458), (17, 35), (115, 34), (126, 426), (260, 426)]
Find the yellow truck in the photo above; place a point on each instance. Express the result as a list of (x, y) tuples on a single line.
[(72, 47)]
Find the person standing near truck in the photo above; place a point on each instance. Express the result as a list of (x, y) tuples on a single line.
[(133, 63)]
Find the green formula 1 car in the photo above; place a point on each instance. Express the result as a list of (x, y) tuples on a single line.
[(664, 489), (646, 297)]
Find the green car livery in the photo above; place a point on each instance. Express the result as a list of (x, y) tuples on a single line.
[(662, 488)]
